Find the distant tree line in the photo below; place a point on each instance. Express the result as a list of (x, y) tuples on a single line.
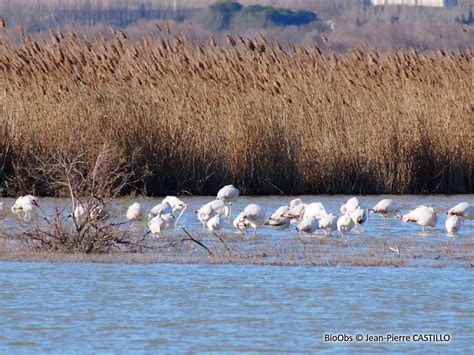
[(226, 11)]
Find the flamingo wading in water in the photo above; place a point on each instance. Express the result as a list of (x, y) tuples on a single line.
[(228, 194), (422, 215), (254, 215)]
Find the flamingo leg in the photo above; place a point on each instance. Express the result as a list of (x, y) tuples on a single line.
[(179, 216)]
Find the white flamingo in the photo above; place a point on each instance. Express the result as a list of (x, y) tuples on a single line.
[(308, 225), (453, 225), (134, 212), (359, 216), (422, 215), (314, 209), (345, 224), (206, 211), (228, 194), (161, 223), (278, 218), (25, 204), (255, 215), (240, 224), (328, 223), (295, 202), (350, 206), (463, 210), (160, 209), (385, 207), (215, 223), (176, 204), (78, 211), (296, 211)]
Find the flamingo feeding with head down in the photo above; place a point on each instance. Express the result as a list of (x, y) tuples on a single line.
[(240, 224), (422, 215), (278, 218), (228, 194), (25, 204), (359, 216), (215, 223), (345, 224), (308, 225), (134, 212), (384, 208), (254, 215), (453, 225), (328, 223), (207, 211), (161, 223)]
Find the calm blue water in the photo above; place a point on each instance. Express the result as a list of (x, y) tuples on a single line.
[(103, 308)]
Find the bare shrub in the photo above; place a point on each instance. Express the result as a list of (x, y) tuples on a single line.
[(84, 226)]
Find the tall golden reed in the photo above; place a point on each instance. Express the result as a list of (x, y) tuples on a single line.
[(265, 118)]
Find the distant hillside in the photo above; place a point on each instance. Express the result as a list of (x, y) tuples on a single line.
[(341, 23)]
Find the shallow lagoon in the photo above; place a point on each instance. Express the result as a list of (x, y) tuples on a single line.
[(90, 308)]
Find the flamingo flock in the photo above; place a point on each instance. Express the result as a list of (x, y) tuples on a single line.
[(306, 217)]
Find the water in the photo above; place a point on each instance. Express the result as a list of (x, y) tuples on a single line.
[(90, 308), (97, 308), (332, 204), (374, 244)]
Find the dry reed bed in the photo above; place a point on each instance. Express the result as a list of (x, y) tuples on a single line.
[(268, 119)]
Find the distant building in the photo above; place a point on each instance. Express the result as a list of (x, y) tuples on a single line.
[(432, 3)]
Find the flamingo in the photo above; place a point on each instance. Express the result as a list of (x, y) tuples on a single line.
[(254, 215), (97, 212), (345, 223), (463, 210), (206, 211), (358, 216), (297, 210), (422, 215), (385, 207), (215, 223), (134, 212), (175, 204), (240, 224), (25, 204), (161, 223), (228, 194), (328, 223), (314, 209), (295, 202), (278, 219), (350, 206), (453, 225), (78, 211), (308, 225), (160, 209)]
